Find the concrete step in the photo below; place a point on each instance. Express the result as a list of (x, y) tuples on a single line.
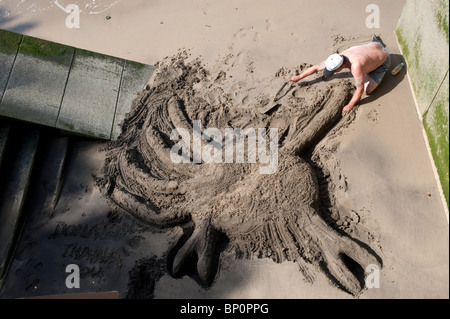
[(48, 176), (4, 129), (9, 46), (59, 86), (18, 160)]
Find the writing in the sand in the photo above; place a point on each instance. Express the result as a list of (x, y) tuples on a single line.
[(96, 231), (100, 255)]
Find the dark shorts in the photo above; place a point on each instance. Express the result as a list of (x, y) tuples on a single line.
[(378, 74)]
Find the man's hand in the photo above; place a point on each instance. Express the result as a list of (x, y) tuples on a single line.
[(309, 71), (346, 109), (295, 78)]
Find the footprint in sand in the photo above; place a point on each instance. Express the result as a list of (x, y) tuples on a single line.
[(372, 117), (245, 32), (256, 37), (238, 59), (242, 33), (268, 25)]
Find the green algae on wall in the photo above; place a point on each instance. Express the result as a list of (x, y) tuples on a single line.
[(436, 123), (442, 17), (423, 35), (9, 41), (47, 50)]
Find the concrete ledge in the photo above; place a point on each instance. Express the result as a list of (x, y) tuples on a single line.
[(89, 102), (13, 194), (9, 45), (36, 85), (135, 77), (74, 90)]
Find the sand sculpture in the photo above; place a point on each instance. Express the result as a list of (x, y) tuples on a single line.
[(226, 205)]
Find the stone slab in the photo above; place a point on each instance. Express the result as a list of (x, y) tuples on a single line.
[(36, 85), (9, 45), (135, 77), (105, 244), (47, 186), (59, 86), (90, 99), (14, 190)]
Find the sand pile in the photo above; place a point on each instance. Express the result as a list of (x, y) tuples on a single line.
[(279, 209)]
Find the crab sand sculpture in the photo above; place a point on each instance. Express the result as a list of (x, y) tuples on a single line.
[(274, 215)]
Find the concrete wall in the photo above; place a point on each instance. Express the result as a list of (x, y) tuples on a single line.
[(423, 35)]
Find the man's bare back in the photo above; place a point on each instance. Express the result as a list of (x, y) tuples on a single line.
[(369, 56)]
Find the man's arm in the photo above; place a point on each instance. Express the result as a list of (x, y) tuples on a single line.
[(309, 71), (359, 83)]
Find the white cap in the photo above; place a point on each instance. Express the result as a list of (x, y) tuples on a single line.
[(333, 63)]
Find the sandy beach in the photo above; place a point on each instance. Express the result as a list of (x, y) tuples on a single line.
[(223, 61)]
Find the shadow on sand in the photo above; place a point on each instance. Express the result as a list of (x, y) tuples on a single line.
[(7, 23), (389, 82)]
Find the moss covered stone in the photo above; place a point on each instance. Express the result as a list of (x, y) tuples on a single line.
[(47, 50), (423, 36), (436, 123), (9, 41)]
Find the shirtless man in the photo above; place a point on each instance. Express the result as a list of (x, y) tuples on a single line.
[(368, 63)]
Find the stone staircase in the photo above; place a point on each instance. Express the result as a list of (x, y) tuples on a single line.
[(32, 160), (51, 94)]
